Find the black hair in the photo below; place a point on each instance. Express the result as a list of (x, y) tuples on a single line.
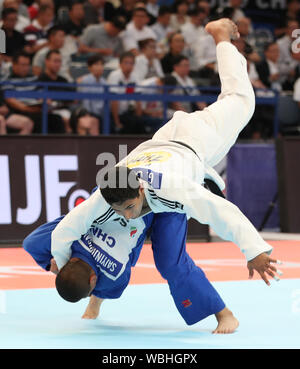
[(169, 80), (140, 9), (72, 3), (76, 114), (50, 52), (126, 54), (43, 8), (164, 9), (143, 43), (195, 11), (177, 3), (268, 44), (178, 59), (119, 22), (54, 29), (118, 184), (7, 11), (94, 59), (73, 280), (18, 55)]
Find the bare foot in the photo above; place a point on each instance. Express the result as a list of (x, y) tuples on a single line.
[(222, 30), (93, 308), (227, 323)]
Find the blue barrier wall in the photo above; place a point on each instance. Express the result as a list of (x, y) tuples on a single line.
[(252, 181), (43, 93)]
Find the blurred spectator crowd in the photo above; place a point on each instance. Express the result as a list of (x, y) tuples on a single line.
[(134, 46)]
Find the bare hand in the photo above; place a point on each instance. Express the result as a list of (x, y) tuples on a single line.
[(262, 264), (53, 267)]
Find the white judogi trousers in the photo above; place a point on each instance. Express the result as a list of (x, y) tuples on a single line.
[(213, 131)]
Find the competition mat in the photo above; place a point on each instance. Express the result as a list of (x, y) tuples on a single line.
[(33, 316)]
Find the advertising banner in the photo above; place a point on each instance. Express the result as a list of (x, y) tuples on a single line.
[(44, 177)]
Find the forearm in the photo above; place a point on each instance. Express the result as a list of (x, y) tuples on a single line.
[(229, 223), (93, 308), (17, 105), (84, 49)]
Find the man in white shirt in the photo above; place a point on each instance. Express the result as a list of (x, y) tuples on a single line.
[(181, 69), (193, 29), (124, 112), (285, 62), (162, 26), (167, 173), (205, 56), (137, 30), (56, 41), (147, 64)]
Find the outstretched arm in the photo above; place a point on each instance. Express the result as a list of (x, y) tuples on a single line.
[(229, 223)]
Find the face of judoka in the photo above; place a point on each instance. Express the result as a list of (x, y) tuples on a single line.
[(131, 208)]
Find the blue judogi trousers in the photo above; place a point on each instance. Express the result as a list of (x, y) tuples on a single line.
[(194, 296)]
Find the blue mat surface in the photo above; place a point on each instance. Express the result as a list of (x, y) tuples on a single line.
[(145, 317)]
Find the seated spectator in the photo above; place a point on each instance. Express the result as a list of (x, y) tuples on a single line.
[(261, 125), (181, 70), (268, 69), (152, 8), (240, 44), (56, 41), (153, 111), (93, 82), (97, 11), (194, 28), (161, 27), (244, 28), (288, 84), (147, 64), (125, 9), (75, 25), (137, 30), (84, 123), (23, 21), (205, 6), (14, 40), (29, 107), (13, 123), (291, 12), (125, 113), (36, 33), (177, 46), (206, 59), (232, 11), (180, 16), (285, 62), (53, 62), (33, 9), (103, 39)]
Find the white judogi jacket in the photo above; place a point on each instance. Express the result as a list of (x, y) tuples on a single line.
[(172, 176)]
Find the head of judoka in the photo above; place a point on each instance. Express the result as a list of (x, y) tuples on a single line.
[(76, 280), (122, 189)]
